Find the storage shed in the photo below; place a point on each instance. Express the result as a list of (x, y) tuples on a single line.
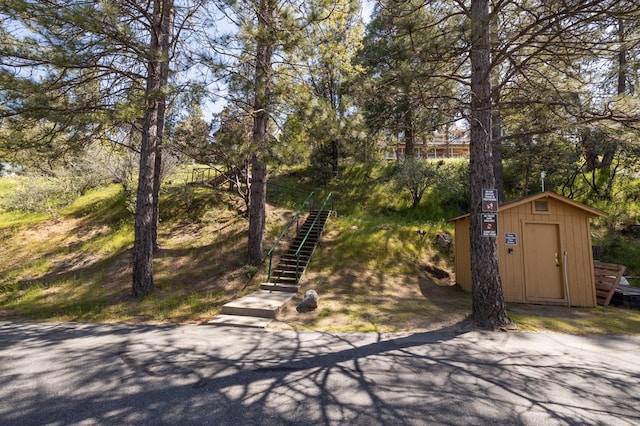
[(544, 250)]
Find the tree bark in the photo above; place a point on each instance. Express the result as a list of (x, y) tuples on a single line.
[(622, 60), (335, 157), (496, 147), (488, 300), (257, 203), (496, 118), (165, 43), (258, 190), (153, 124), (409, 138)]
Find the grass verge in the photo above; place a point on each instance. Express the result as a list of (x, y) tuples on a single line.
[(373, 270)]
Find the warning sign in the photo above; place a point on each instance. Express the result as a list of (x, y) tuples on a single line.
[(489, 225), (489, 206), (489, 200)]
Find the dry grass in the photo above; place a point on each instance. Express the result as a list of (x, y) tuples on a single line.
[(402, 303), (369, 278), (370, 295), (78, 268)]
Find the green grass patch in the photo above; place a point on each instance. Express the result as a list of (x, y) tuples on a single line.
[(78, 266), (21, 218), (579, 321), (368, 270), (106, 204), (383, 243)]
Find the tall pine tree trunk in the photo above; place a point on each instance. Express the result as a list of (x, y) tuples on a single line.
[(496, 147), (166, 31), (409, 138), (258, 189), (145, 218), (496, 119), (335, 157), (257, 205), (488, 301), (622, 59)]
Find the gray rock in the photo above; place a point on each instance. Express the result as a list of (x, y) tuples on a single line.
[(444, 241), (309, 301)]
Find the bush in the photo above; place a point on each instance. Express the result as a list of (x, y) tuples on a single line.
[(415, 175), (452, 187), (39, 194)]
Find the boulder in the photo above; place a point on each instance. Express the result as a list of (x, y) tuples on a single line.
[(444, 241), (309, 301)]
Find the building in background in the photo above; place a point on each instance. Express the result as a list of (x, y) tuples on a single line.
[(452, 143)]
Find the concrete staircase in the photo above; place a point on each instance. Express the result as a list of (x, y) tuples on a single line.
[(293, 263), (261, 307)]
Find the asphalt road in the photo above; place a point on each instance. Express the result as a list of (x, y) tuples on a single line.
[(81, 374)]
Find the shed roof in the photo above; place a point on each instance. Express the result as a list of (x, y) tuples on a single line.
[(593, 212)]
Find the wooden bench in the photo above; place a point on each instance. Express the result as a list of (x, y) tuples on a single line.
[(607, 279)]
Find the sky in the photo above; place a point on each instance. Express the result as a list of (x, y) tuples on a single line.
[(212, 108)]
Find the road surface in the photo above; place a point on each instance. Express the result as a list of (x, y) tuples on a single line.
[(86, 374)]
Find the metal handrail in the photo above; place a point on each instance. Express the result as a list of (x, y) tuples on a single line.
[(286, 230), (200, 174), (313, 224)]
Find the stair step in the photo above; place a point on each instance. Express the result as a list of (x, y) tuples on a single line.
[(291, 259), (297, 244), (309, 245), (304, 238), (263, 304), (292, 262), (318, 222), (286, 281), (312, 237), (290, 265), (287, 288), (279, 271), (317, 230), (282, 276), (306, 251), (305, 256), (306, 245), (290, 256)]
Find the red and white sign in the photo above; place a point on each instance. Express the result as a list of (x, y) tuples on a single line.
[(489, 225)]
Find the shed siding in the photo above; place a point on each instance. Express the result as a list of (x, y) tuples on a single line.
[(511, 264), (574, 237)]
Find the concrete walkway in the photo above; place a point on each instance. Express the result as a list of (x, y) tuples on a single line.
[(256, 310)]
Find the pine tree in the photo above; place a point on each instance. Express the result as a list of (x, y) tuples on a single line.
[(84, 71)]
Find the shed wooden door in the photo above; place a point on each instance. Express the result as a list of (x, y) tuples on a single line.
[(543, 262)]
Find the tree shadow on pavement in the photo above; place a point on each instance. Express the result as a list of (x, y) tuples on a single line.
[(101, 374)]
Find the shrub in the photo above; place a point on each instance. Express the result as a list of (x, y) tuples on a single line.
[(39, 194), (415, 175), (452, 186)]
